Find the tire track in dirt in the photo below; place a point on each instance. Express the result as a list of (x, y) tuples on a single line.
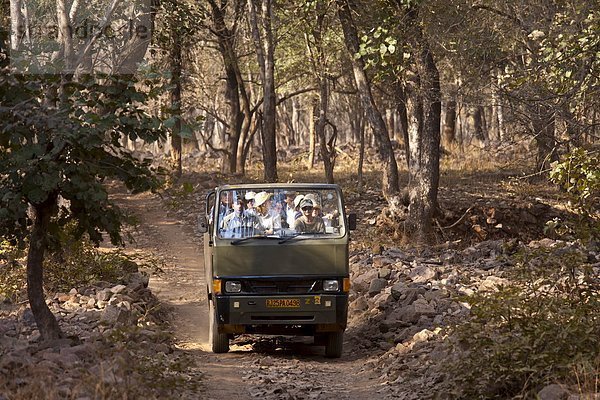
[(269, 368), (181, 290)]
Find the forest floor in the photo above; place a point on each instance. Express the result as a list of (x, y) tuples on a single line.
[(401, 299), (253, 368), (492, 208)]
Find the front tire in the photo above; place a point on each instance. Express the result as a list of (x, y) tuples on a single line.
[(334, 344), (219, 342)]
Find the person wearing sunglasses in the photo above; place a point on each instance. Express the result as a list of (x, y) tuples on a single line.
[(308, 222)]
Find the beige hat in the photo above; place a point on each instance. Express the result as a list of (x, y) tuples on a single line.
[(261, 197), (250, 195), (297, 200)]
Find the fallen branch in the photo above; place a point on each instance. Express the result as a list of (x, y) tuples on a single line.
[(459, 220)]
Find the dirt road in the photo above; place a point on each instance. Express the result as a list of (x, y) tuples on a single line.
[(273, 368)]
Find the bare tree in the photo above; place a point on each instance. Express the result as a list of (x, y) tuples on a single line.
[(391, 184), (264, 43), (424, 110)]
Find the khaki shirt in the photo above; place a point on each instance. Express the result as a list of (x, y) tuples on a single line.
[(316, 226)]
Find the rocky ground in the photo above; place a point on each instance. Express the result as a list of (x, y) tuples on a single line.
[(116, 345), (124, 341)]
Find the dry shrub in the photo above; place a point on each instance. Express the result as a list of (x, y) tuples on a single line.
[(540, 328)]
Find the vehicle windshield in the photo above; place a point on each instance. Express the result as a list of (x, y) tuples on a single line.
[(280, 213)]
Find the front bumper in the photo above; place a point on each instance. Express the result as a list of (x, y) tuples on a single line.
[(315, 313)]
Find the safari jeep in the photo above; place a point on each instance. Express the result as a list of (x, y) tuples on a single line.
[(276, 262)]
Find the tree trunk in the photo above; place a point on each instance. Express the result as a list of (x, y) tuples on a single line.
[(424, 137), (402, 114), (391, 184), (17, 26), (361, 154), (450, 123), (44, 319), (311, 134), (478, 125), (543, 121), (326, 153), (295, 122), (265, 51), (176, 61), (235, 117)]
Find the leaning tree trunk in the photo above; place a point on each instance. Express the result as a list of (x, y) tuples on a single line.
[(391, 184), (44, 319), (424, 137), (176, 66), (235, 117), (265, 52)]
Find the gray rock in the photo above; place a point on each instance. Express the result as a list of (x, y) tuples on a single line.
[(138, 280), (422, 274), (410, 295), (385, 273), (360, 304), (376, 286), (553, 392), (361, 282), (382, 300), (113, 315), (104, 295), (398, 290), (118, 289), (379, 261)]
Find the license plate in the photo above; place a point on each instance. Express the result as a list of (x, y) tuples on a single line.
[(283, 303)]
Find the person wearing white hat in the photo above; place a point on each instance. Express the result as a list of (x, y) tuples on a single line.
[(250, 202), (290, 209), (309, 223), (266, 220)]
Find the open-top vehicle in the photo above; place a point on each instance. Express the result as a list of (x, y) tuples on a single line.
[(276, 262)]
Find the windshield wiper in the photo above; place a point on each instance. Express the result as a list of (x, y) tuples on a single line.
[(295, 235), (238, 241)]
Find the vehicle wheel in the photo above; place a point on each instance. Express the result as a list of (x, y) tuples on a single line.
[(334, 345), (219, 342)]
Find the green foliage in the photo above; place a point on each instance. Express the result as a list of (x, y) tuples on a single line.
[(569, 50), (60, 141), (73, 263), (12, 272), (536, 329), (579, 175)]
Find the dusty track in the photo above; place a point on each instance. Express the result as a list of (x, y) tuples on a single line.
[(272, 369)]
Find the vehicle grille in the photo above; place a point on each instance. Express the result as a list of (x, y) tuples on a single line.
[(281, 287)]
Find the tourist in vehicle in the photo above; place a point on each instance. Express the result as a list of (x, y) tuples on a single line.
[(297, 213), (233, 222), (290, 209), (308, 223), (277, 212), (225, 206), (317, 211), (250, 202), (265, 219)]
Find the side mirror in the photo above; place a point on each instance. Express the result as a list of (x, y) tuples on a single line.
[(202, 224), (352, 221)]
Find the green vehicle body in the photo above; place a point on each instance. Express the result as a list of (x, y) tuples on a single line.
[(281, 277)]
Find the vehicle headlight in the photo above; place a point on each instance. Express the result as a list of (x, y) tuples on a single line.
[(331, 285), (233, 286)]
